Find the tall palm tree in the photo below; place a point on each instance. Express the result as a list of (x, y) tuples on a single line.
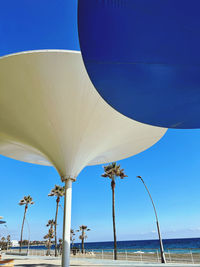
[(112, 171), (27, 200), (83, 236), (58, 192)]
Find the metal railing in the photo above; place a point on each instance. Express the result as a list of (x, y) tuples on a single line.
[(186, 256)]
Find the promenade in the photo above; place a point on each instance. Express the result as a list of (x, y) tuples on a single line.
[(34, 261)]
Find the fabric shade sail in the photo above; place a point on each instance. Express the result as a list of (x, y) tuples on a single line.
[(51, 114), (143, 57)]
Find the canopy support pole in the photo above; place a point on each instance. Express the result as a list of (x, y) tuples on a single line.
[(67, 222)]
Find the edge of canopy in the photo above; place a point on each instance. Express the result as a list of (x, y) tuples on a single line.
[(41, 51)]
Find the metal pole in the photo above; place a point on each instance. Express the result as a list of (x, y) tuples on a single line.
[(192, 257), (141, 256), (67, 223), (162, 254), (169, 256), (157, 255)]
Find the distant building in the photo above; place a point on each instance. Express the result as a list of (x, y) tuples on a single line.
[(14, 243)]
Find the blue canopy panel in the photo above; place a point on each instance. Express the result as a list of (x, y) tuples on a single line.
[(143, 56)]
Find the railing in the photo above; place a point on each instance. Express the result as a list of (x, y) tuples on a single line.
[(187, 256)]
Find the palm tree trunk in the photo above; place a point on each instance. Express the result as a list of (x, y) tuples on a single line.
[(25, 210), (56, 247), (113, 215), (49, 248), (82, 248)]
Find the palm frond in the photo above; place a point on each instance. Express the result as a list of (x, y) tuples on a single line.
[(57, 191), (112, 171), (27, 200)]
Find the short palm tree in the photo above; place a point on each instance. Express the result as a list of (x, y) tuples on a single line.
[(8, 241), (112, 171), (27, 200), (3, 243), (72, 234), (60, 245), (58, 192), (49, 236), (51, 224), (83, 236)]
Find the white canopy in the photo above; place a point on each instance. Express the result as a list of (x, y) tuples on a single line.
[(51, 114)]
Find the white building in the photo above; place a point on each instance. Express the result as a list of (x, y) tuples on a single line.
[(14, 243)]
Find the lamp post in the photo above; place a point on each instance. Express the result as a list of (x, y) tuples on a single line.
[(162, 254)]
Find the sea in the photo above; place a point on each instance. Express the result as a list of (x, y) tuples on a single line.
[(180, 245)]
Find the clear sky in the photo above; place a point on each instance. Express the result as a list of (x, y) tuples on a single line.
[(170, 168)]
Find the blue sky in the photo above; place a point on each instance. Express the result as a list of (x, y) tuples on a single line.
[(170, 168)]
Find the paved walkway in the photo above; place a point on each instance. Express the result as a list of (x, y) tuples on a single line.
[(21, 261)]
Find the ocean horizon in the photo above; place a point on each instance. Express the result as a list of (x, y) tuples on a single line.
[(180, 243), (176, 245)]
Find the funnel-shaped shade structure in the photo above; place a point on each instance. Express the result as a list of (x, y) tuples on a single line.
[(51, 114), (143, 57)]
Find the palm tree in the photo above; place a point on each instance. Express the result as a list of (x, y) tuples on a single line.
[(51, 224), (113, 171), (27, 200), (58, 192), (60, 245), (3, 240), (49, 236), (83, 236), (2, 243), (8, 242), (72, 234)]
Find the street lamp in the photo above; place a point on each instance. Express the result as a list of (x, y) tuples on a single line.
[(163, 260)]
